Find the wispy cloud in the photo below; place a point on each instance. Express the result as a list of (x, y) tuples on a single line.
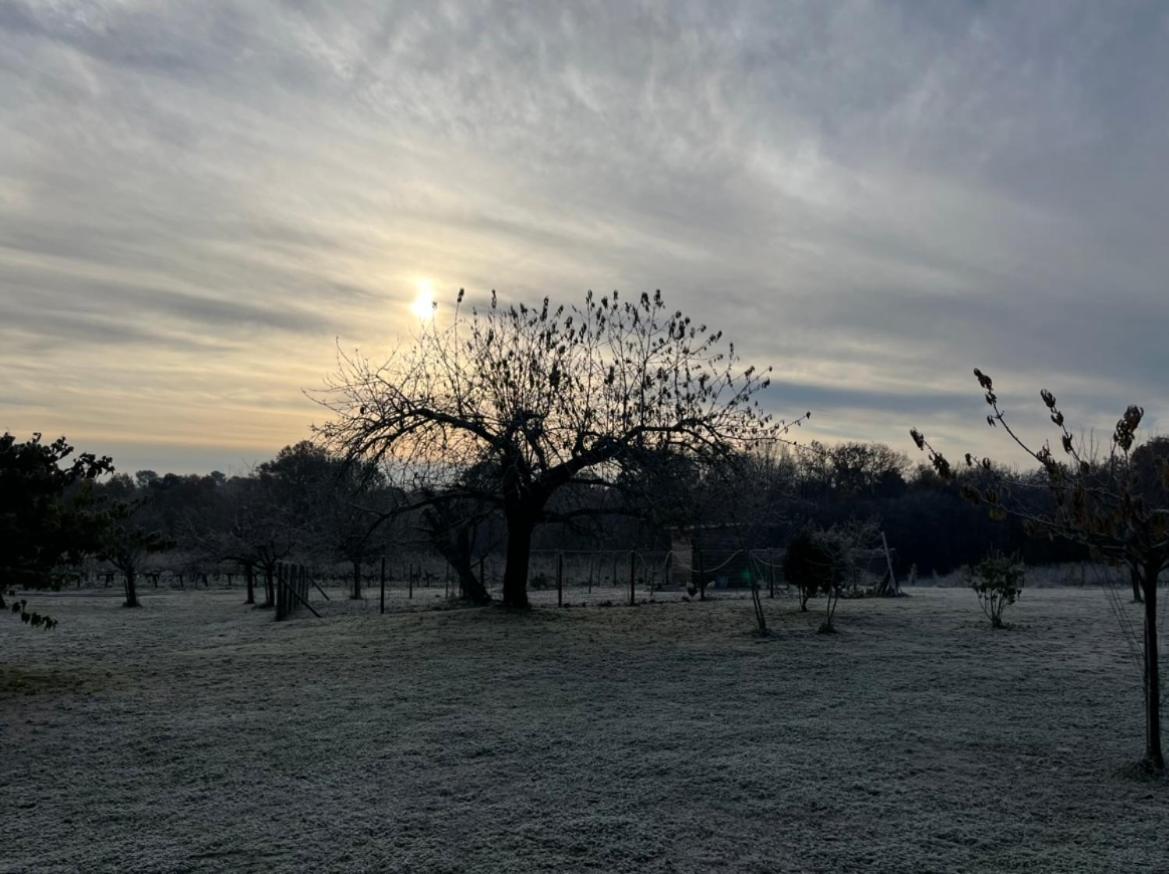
[(874, 197)]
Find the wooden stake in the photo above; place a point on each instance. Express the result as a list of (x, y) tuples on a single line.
[(889, 564)]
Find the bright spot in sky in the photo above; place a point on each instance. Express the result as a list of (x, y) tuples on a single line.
[(423, 305)]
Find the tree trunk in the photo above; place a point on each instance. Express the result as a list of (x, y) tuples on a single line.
[(1135, 577), (515, 570), (1154, 757), (269, 585), (471, 588), (455, 546), (131, 581), (356, 596), (250, 578)]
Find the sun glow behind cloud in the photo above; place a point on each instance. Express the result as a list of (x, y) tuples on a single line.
[(424, 304), (868, 196)]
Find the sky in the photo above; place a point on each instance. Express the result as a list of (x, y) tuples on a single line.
[(200, 200)]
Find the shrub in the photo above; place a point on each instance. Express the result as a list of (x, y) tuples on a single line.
[(821, 562), (998, 582)]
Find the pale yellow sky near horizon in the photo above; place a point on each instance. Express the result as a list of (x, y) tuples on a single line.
[(197, 202)]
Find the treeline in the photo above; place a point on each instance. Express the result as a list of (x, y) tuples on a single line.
[(311, 506)]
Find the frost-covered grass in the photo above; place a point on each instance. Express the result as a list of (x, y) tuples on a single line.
[(197, 734)]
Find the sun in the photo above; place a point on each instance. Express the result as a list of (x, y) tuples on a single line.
[(423, 305)]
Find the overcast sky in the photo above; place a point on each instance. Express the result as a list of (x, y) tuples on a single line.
[(198, 199)]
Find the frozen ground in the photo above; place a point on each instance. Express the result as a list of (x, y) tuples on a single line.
[(197, 734)]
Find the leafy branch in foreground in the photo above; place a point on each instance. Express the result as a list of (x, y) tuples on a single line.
[(1118, 506)]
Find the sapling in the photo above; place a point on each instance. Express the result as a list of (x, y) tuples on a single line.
[(998, 582)]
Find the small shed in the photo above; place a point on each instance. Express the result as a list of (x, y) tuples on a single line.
[(726, 555)]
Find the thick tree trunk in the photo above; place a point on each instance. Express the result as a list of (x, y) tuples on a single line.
[(1154, 757), (455, 546), (356, 596), (250, 577), (515, 570), (471, 588), (131, 581)]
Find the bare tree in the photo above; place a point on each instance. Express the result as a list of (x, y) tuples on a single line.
[(126, 544), (1118, 506), (256, 530), (551, 397)]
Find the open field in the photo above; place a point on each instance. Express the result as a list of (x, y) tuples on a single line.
[(197, 734)]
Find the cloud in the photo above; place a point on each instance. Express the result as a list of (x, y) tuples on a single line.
[(874, 197)]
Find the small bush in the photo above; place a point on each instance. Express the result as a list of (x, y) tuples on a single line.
[(822, 562), (998, 582), (808, 564)]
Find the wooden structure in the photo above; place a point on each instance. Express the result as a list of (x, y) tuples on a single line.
[(292, 585)]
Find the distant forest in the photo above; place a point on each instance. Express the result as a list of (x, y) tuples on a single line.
[(311, 506)]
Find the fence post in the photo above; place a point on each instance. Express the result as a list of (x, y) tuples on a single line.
[(560, 579), (701, 576), (889, 564), (632, 578), (410, 582), (383, 585)]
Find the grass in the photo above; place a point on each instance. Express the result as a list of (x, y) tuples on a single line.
[(663, 738)]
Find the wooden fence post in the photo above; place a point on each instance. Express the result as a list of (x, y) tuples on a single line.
[(560, 579), (889, 564), (383, 585), (632, 578)]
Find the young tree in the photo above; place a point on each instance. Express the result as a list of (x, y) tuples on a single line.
[(998, 582), (126, 544), (253, 528), (824, 561), (551, 397), (1118, 506), (336, 507)]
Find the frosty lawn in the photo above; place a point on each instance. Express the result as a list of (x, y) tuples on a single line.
[(197, 734)]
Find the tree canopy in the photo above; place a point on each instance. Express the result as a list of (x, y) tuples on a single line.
[(45, 512), (551, 397)]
